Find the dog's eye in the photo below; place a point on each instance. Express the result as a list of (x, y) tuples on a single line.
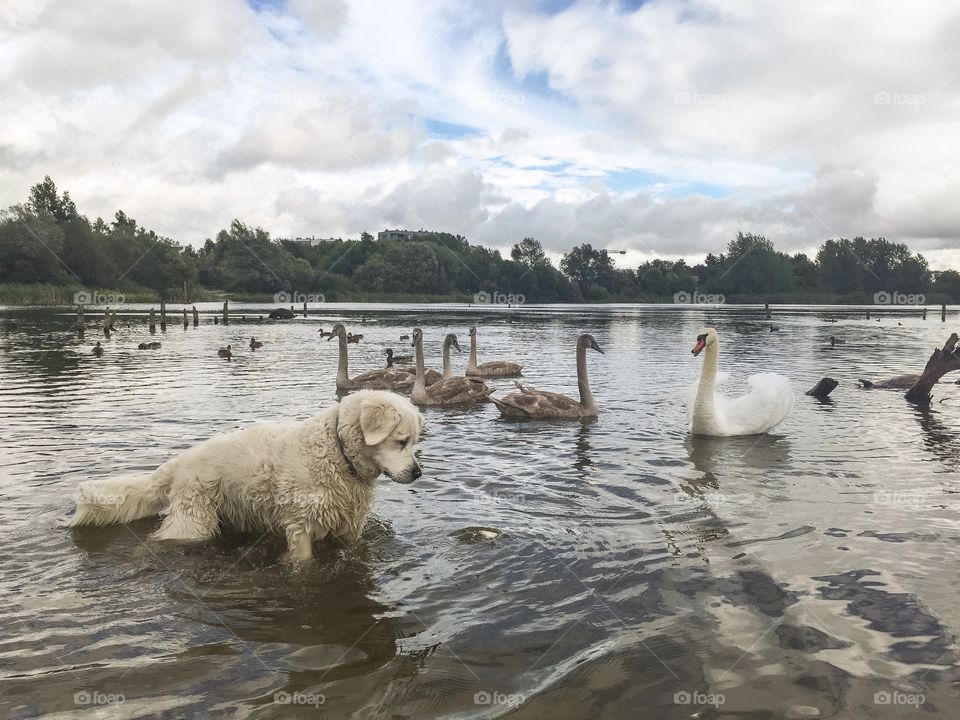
[(403, 443)]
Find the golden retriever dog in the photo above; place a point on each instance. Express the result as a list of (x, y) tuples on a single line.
[(303, 479)]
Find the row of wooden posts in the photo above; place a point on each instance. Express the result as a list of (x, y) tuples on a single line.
[(110, 317), (923, 312)]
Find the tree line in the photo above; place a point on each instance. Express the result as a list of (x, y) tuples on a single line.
[(46, 240)]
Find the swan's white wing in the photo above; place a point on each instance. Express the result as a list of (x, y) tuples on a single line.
[(766, 405)]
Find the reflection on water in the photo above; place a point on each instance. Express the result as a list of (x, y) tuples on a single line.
[(539, 569)]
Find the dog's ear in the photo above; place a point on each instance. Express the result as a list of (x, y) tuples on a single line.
[(378, 418)]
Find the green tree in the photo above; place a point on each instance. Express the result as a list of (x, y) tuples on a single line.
[(529, 252), (592, 270), (44, 198)]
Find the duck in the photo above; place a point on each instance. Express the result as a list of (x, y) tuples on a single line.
[(386, 379), (254, 344), (446, 391), (153, 345), (225, 352), (404, 337), (495, 368), (531, 404), (400, 359), (759, 411), (325, 333), (351, 338), (98, 349)]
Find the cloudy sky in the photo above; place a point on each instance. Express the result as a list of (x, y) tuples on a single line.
[(661, 127)]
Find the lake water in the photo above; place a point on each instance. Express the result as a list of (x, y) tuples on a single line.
[(634, 572)]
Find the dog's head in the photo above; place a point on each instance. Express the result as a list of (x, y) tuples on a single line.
[(391, 428)]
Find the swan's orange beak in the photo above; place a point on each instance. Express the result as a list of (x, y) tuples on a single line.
[(698, 348)]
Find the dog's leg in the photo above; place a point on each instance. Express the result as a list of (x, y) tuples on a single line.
[(193, 511), (299, 543)]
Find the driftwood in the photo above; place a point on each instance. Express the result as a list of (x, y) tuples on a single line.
[(918, 387), (942, 361), (900, 382), (823, 388)]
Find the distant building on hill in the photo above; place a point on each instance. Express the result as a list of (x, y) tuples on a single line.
[(403, 234), (313, 241)]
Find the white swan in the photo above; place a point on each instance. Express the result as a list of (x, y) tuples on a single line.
[(710, 413)]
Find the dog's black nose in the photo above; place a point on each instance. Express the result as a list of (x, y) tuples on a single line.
[(417, 472)]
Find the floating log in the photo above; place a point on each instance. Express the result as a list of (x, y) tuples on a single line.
[(196, 316), (942, 361), (900, 382), (823, 388), (153, 321), (225, 311)]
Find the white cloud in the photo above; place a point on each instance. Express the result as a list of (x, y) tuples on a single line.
[(663, 130)]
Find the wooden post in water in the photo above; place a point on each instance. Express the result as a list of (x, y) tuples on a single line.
[(868, 314), (943, 313), (766, 307), (924, 313), (216, 320), (196, 316), (80, 321), (226, 308), (304, 308), (153, 321), (108, 320), (186, 323), (163, 315)]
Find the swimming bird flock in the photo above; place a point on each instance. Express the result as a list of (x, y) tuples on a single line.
[(709, 412)]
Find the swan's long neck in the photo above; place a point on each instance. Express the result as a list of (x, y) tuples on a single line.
[(342, 376), (703, 405), (447, 370), (586, 397), (420, 384), (472, 362)]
